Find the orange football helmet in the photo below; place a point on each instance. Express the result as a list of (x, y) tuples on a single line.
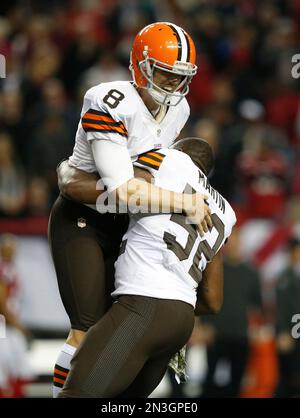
[(169, 48)]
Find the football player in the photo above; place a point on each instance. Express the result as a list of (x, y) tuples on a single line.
[(158, 275), (120, 121)]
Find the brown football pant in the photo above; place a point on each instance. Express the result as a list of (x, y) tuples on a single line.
[(127, 352)]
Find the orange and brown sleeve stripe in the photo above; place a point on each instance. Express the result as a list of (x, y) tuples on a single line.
[(96, 121), (60, 376), (152, 159)]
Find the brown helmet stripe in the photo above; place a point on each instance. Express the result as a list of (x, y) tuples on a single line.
[(188, 47), (179, 56)]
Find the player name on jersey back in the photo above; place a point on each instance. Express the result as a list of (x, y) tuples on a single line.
[(220, 201), (164, 255)]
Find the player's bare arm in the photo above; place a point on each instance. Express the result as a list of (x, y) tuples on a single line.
[(192, 205), (76, 184), (210, 289), (80, 186)]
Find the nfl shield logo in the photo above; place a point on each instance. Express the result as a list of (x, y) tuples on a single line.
[(81, 222)]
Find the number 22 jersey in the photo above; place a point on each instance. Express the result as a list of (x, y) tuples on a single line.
[(162, 256)]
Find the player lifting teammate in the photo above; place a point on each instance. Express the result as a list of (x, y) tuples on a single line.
[(119, 121)]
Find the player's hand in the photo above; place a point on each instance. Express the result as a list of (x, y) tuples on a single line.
[(198, 212), (206, 224)]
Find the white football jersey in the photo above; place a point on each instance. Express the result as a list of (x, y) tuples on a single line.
[(161, 255), (115, 111)]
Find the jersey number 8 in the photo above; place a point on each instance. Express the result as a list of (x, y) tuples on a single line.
[(113, 98)]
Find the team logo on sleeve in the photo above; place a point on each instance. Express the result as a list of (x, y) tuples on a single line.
[(81, 222)]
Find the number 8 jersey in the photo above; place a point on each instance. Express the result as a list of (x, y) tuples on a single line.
[(115, 112), (161, 255)]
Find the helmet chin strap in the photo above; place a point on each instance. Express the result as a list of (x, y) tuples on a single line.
[(159, 97)]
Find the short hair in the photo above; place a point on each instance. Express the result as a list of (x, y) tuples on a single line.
[(199, 150)]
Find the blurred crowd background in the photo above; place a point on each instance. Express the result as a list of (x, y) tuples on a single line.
[(244, 102)]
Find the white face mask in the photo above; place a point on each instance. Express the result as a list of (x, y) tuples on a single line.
[(187, 70), (159, 97)]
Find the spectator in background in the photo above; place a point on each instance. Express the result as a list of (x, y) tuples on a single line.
[(265, 176), (252, 151), (12, 180), (288, 348), (275, 56), (83, 50), (228, 330), (14, 367), (12, 120), (38, 198), (106, 69), (256, 127), (42, 61), (282, 105), (9, 282), (54, 96), (50, 144), (5, 46), (221, 176), (208, 130), (221, 109), (53, 101)]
